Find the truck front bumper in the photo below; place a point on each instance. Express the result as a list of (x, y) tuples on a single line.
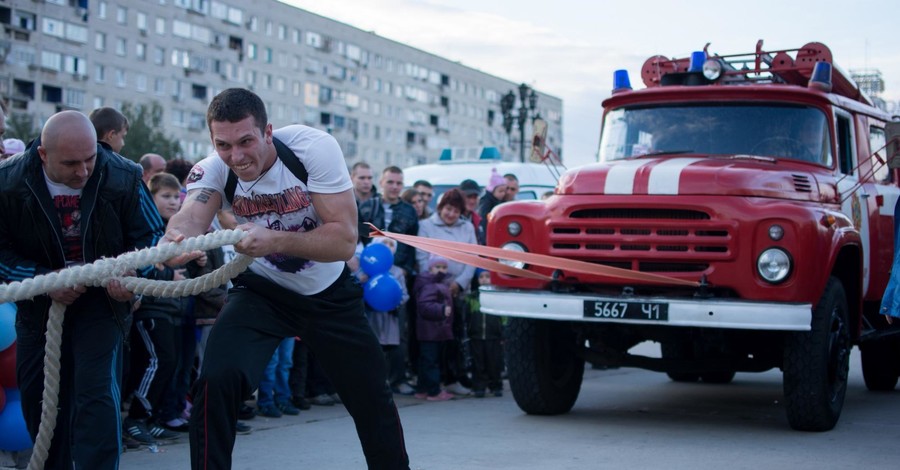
[(703, 313)]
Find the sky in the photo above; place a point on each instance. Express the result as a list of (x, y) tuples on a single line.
[(570, 48)]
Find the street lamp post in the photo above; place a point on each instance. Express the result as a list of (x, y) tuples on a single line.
[(528, 103)]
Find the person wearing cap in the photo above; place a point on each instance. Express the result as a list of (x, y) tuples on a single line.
[(494, 194), (11, 147), (470, 191)]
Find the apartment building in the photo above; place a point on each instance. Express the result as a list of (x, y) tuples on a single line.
[(385, 102)]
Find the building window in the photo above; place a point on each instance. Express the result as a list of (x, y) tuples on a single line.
[(51, 94), (74, 65), (100, 73), (198, 92), (122, 15), (159, 86), (311, 95), (159, 55), (101, 10), (161, 26), (53, 27), (140, 51), (100, 41), (121, 46), (140, 82), (313, 39), (51, 60), (120, 78)]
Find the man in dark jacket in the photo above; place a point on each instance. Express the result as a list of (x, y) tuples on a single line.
[(387, 210), (67, 201)]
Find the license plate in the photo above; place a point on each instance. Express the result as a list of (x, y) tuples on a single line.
[(626, 310)]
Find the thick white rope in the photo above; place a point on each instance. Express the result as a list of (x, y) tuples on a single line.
[(99, 273)]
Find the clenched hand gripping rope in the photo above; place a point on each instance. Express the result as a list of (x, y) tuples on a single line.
[(99, 273)]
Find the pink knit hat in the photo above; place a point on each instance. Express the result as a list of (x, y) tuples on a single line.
[(496, 180), (435, 260)]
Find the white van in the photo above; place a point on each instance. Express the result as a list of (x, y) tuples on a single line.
[(458, 164)]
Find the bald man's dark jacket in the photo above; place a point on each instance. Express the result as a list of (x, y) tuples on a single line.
[(117, 211)]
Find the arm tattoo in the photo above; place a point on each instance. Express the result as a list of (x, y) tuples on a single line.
[(204, 195)]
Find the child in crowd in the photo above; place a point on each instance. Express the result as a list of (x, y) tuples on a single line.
[(156, 337), (485, 333), (434, 326), (386, 325)]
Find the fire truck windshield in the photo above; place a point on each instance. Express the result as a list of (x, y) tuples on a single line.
[(771, 130)]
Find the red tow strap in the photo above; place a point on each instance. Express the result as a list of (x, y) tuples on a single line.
[(486, 256)]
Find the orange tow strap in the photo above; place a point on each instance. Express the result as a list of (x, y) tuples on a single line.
[(478, 256)]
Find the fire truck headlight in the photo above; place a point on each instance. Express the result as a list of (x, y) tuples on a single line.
[(512, 246), (776, 232), (774, 265), (712, 69), (514, 229)]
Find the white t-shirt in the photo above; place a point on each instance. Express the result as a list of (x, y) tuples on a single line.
[(280, 201)]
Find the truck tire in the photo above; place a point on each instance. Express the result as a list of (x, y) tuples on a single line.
[(879, 364), (544, 367), (816, 364)]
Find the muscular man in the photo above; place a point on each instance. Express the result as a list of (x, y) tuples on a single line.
[(300, 228), (68, 200)]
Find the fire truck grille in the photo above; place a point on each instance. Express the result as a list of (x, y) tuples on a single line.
[(648, 240)]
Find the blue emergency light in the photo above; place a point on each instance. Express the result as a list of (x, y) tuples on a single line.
[(697, 60), (621, 82), (821, 77)]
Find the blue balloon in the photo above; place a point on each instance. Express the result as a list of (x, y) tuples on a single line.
[(8, 324), (13, 394), (376, 259), (383, 293), (13, 433)]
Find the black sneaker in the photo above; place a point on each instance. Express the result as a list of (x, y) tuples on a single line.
[(322, 400), (129, 442), (138, 431), (246, 412), (160, 432), (243, 428), (287, 408), (269, 411), (301, 402)]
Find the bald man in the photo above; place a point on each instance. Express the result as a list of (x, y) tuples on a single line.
[(69, 201), (152, 164)]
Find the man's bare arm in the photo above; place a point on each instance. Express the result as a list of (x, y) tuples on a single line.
[(196, 214), (334, 240)]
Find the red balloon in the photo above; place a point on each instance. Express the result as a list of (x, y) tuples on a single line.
[(8, 367)]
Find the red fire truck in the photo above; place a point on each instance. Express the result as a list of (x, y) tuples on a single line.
[(760, 177)]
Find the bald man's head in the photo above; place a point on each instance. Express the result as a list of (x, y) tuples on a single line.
[(68, 148), (152, 164)]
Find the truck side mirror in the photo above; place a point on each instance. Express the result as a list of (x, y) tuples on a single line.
[(892, 129)]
